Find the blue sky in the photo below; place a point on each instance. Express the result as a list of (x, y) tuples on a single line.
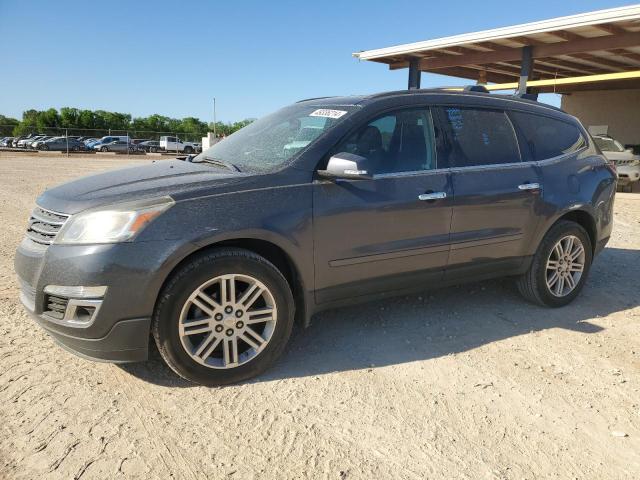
[(172, 58)]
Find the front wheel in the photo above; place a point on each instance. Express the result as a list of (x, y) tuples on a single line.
[(104, 149), (224, 317), (560, 266)]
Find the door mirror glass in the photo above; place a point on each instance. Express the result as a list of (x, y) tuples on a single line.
[(346, 165)]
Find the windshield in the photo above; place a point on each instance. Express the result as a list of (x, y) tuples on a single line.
[(608, 144), (270, 142)]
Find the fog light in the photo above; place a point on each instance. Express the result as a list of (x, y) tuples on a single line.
[(81, 311), (74, 306)]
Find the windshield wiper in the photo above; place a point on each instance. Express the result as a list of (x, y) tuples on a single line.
[(220, 163)]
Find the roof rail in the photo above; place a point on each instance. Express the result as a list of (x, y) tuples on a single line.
[(313, 98), (527, 96), (476, 88)]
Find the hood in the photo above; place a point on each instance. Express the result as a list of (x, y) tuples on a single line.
[(175, 178)]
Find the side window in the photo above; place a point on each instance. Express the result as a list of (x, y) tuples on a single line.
[(478, 137), (547, 137), (396, 142)]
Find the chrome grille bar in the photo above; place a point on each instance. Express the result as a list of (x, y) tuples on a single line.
[(44, 225)]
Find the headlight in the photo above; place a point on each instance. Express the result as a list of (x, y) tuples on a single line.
[(112, 224)]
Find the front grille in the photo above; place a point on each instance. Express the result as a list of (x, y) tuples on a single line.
[(44, 225), (56, 306)]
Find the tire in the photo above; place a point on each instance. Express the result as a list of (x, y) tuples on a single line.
[(104, 149), (174, 306), (188, 150), (44, 147), (534, 285), (153, 150)]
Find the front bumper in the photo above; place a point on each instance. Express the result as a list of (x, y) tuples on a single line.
[(132, 273), (127, 341)]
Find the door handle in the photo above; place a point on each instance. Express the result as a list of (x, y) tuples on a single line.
[(529, 186), (432, 196)]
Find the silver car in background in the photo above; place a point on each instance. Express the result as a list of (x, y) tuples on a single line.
[(36, 144), (627, 164), (119, 146), (61, 144)]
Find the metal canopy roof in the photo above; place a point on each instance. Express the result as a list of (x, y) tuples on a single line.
[(595, 43)]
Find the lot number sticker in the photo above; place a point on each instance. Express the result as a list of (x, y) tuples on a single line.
[(327, 113)]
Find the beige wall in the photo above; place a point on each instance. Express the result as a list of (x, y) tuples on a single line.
[(620, 109)]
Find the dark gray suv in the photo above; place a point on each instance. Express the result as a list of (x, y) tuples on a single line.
[(326, 202)]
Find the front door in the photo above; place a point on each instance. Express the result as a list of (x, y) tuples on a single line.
[(390, 232), (497, 192)]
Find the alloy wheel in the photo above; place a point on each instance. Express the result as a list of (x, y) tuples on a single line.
[(227, 321), (565, 266)]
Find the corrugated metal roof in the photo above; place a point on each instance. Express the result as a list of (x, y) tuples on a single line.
[(594, 43), (613, 15)]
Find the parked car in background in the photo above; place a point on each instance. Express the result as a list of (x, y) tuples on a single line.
[(36, 144), (20, 138), (24, 142), (60, 144), (30, 143), (174, 144), (150, 146), (217, 255), (14, 142), (110, 139), (627, 164), (6, 142), (119, 146)]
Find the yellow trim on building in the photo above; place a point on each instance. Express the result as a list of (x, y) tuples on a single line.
[(564, 81)]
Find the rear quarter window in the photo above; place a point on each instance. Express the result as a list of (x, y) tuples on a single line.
[(548, 137)]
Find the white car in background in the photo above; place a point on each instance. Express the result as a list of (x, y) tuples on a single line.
[(174, 144), (627, 164)]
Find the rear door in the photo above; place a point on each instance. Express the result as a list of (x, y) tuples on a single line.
[(497, 190), (390, 232)]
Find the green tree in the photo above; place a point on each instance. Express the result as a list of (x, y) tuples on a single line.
[(229, 128), (7, 124), (101, 122)]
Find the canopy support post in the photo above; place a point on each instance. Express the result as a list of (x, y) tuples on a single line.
[(414, 74), (526, 69)]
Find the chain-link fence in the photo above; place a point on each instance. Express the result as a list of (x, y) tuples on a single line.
[(133, 137)]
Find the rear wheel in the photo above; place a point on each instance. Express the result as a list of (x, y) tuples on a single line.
[(560, 266), (224, 317)]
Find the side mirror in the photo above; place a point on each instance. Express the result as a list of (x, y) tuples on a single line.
[(346, 165)]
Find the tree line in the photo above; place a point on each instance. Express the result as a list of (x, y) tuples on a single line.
[(101, 122)]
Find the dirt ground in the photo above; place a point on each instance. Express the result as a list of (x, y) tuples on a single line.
[(461, 383)]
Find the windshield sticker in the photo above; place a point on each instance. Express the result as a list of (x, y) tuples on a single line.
[(327, 113)]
